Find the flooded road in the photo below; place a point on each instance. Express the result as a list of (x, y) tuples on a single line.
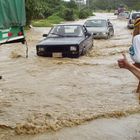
[(41, 95)]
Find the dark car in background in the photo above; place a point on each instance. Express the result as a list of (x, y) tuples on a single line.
[(100, 28), (131, 19), (65, 40)]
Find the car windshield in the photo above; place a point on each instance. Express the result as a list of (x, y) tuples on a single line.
[(96, 23), (66, 31), (134, 15)]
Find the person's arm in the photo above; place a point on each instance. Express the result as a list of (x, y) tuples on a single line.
[(123, 63), (134, 70)]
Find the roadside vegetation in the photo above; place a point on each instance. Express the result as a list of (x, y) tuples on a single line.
[(49, 22), (45, 13), (109, 5)]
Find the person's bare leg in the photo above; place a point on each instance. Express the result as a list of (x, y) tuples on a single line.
[(138, 88), (138, 91)]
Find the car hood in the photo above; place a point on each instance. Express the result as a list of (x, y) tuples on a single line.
[(96, 29), (61, 41)]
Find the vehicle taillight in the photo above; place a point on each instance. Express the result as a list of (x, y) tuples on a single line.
[(20, 34), (10, 34)]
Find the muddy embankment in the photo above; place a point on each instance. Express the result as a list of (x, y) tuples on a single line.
[(46, 94)]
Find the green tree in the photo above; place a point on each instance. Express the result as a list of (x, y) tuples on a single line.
[(69, 14), (35, 9), (39, 9)]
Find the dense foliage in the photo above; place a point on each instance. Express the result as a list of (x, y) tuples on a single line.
[(42, 9), (113, 4)]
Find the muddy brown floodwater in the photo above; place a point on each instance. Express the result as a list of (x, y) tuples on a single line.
[(42, 95)]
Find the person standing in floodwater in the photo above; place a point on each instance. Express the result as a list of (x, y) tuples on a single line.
[(135, 55), (123, 63), (135, 49)]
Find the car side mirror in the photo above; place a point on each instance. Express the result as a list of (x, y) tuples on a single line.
[(86, 25), (45, 35), (110, 25), (87, 34)]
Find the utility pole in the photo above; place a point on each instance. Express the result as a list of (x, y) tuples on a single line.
[(87, 3), (115, 6), (79, 3)]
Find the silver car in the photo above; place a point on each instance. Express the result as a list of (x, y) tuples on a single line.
[(100, 28)]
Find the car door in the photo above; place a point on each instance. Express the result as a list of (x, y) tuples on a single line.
[(88, 43), (110, 28)]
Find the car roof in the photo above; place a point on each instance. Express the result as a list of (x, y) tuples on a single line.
[(132, 13), (135, 12), (69, 24)]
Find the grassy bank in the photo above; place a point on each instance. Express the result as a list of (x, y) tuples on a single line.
[(49, 22), (54, 19)]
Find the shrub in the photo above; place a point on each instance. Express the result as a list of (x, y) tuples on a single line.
[(54, 19), (68, 14), (84, 13), (41, 23)]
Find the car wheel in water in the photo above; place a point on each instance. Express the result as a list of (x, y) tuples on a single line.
[(83, 51), (112, 33), (38, 54), (75, 56), (108, 36)]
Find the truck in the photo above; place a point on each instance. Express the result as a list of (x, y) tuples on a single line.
[(119, 10), (12, 21)]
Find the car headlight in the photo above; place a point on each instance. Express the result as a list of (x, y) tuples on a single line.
[(41, 49), (73, 48)]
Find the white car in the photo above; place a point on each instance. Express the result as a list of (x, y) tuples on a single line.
[(132, 17)]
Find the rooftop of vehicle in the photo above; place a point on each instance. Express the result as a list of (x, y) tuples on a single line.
[(69, 24)]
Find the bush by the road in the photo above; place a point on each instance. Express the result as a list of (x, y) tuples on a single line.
[(48, 12), (68, 14), (84, 13), (70, 10), (54, 19), (41, 23)]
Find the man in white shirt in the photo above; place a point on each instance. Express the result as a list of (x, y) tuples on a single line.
[(123, 63), (135, 55)]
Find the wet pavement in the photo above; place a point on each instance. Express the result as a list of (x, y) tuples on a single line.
[(41, 95)]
